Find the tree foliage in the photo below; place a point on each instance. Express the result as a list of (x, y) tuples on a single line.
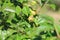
[(18, 21)]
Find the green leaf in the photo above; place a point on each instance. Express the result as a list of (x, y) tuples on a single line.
[(26, 10), (22, 1), (9, 10), (53, 6), (18, 10)]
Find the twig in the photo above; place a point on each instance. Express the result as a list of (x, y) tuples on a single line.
[(39, 10)]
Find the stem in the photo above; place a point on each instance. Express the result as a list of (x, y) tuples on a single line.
[(40, 9), (58, 35)]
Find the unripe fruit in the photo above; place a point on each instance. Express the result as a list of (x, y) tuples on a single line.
[(33, 12), (30, 18), (33, 2)]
